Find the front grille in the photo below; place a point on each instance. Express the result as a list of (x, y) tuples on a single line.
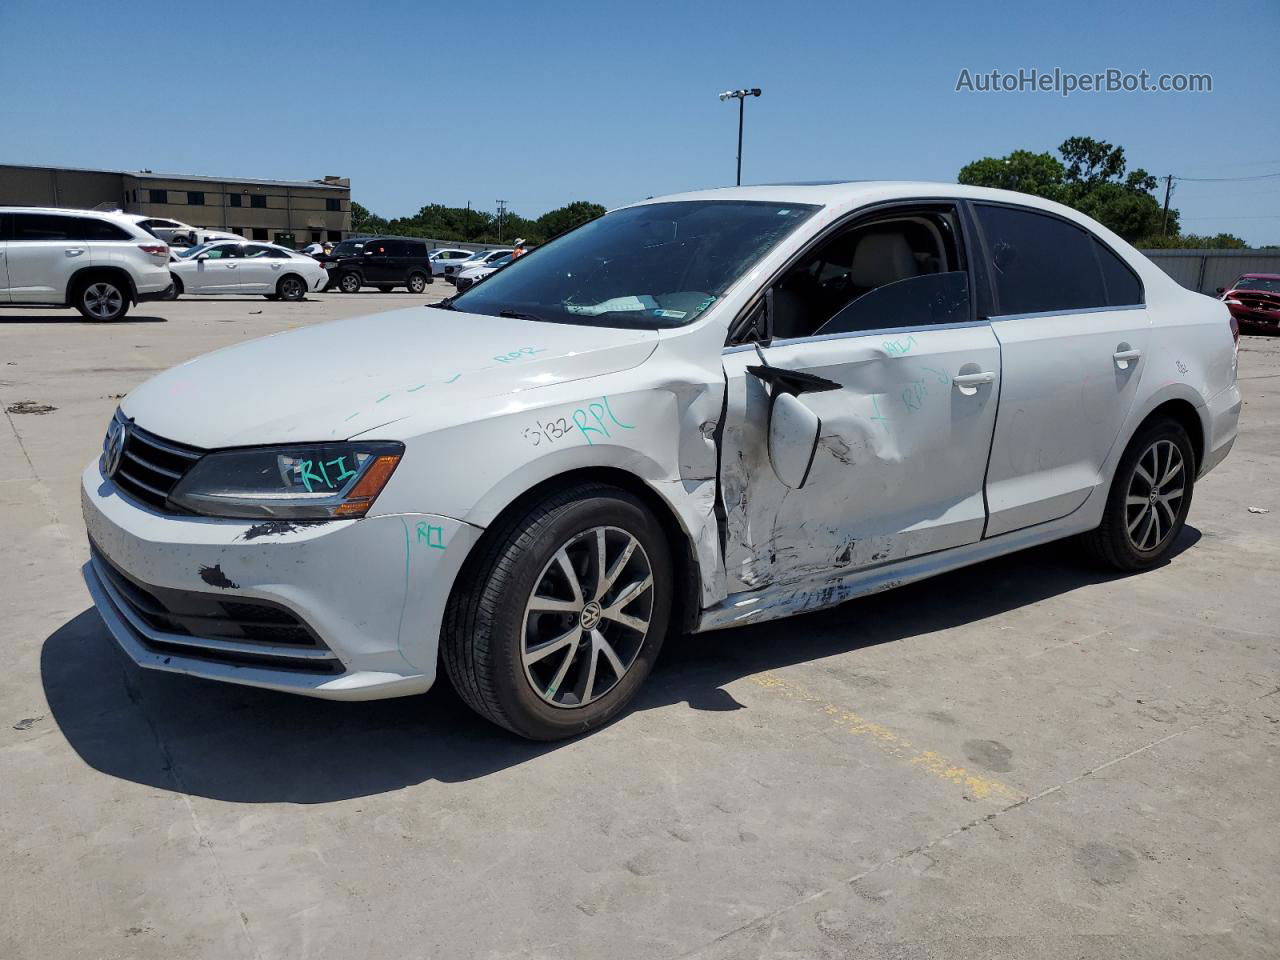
[(189, 623), (150, 467)]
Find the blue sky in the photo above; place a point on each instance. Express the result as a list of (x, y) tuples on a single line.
[(541, 103)]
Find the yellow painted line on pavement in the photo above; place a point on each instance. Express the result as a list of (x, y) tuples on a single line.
[(895, 744)]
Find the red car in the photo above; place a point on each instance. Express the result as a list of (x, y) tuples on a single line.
[(1254, 300)]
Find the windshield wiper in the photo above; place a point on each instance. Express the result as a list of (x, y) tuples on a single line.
[(445, 304), (517, 315)]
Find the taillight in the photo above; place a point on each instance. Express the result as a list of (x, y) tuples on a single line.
[(155, 249)]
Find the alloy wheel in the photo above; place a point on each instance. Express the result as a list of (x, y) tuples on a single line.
[(350, 283), (291, 288), (103, 300), (417, 283), (587, 617), (1155, 494)]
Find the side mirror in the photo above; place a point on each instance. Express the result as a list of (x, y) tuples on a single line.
[(794, 429), (202, 256), (793, 439), (1222, 289)]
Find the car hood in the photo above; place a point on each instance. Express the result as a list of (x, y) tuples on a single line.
[(338, 380)]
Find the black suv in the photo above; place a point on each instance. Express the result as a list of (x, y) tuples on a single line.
[(382, 262)]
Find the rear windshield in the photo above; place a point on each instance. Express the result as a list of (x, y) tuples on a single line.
[(649, 266)]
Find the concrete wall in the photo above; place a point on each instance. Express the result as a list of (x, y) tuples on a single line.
[(1207, 270)]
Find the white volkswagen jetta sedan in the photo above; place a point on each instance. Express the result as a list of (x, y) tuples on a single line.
[(234, 267), (699, 411)]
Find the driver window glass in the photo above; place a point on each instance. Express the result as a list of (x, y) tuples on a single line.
[(900, 270), (223, 253)]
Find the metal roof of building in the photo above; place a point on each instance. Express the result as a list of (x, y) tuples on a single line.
[(150, 175)]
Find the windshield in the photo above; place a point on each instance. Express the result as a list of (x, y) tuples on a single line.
[(1265, 284), (649, 266), (347, 247)]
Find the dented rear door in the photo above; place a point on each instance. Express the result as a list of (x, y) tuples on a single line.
[(900, 462)]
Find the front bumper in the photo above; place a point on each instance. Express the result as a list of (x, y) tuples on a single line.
[(371, 592)]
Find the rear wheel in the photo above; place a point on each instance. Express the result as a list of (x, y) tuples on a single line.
[(418, 282), (563, 614), (175, 288), (1149, 499), (291, 287), (104, 300), (350, 283)]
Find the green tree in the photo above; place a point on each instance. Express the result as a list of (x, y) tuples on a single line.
[(555, 222), (362, 221), (1192, 241), (1040, 174), (1091, 176)]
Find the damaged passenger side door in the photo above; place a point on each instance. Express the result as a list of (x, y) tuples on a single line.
[(878, 325)]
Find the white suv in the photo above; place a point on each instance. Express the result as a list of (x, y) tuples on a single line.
[(99, 263)]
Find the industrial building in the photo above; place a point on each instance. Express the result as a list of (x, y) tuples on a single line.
[(293, 212)]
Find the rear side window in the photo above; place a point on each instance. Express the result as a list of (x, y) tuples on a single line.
[(1040, 264), (416, 249), (271, 253), (102, 230), (1123, 287)]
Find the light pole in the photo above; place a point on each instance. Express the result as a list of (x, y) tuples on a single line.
[(741, 97)]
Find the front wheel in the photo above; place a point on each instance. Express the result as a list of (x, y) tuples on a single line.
[(1149, 499), (418, 282), (350, 283), (562, 615)]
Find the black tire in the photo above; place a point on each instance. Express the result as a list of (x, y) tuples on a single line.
[(103, 299), (175, 288), (486, 623), (418, 282), (291, 287), (349, 282), (1153, 535)]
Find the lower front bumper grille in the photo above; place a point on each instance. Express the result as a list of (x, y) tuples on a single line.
[(187, 623)]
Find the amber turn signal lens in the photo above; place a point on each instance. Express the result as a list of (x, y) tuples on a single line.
[(360, 498)]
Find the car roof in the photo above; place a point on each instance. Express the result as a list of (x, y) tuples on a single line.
[(1259, 276), (840, 194), (113, 215)]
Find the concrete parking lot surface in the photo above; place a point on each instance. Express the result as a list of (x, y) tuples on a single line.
[(1029, 758)]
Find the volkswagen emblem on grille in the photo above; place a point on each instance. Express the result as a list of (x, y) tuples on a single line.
[(113, 449)]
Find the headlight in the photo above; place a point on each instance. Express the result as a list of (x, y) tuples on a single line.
[(302, 482)]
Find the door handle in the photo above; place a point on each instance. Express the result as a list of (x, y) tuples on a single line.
[(1123, 357), (73, 251), (231, 266), (973, 379)]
